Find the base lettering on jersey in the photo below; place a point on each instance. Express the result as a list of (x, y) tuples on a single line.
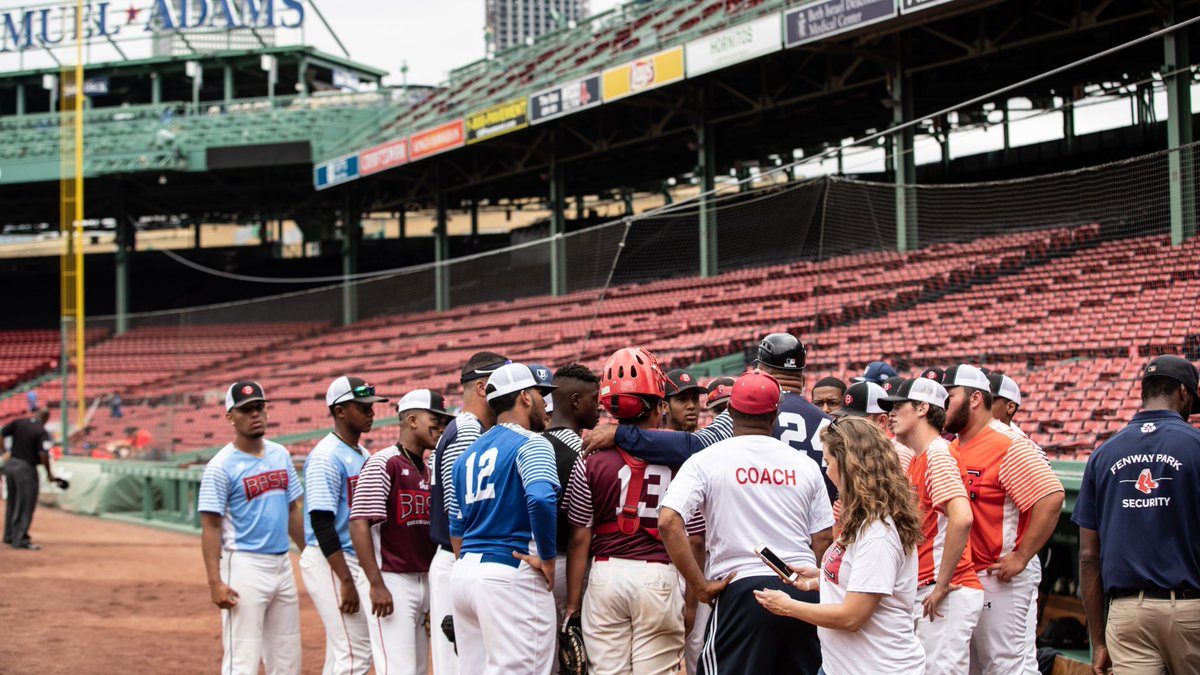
[(412, 507), (265, 482), (756, 476)]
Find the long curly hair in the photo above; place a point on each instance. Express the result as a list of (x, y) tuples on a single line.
[(873, 485)]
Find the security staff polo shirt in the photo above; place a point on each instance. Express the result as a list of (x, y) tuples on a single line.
[(1141, 494)]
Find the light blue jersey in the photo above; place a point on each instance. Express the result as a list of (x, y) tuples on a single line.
[(330, 473), (253, 495), (503, 495)]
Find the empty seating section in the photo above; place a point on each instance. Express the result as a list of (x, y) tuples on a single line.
[(26, 354), (1070, 316)]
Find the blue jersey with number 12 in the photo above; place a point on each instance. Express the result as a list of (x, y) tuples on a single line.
[(487, 492)]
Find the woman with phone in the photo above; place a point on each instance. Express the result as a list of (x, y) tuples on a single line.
[(868, 577)]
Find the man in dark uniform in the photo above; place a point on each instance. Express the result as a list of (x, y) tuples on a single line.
[(1139, 523), (30, 447)]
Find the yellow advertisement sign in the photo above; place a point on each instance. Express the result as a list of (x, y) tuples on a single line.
[(646, 73), (498, 119)]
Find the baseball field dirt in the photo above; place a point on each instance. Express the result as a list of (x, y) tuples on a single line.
[(109, 597)]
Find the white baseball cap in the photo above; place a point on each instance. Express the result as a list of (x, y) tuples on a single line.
[(242, 392), (964, 375), (1004, 387), (423, 399), (920, 389), (348, 388), (511, 378)]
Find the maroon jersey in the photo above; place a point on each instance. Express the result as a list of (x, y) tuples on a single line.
[(597, 491), (393, 493)]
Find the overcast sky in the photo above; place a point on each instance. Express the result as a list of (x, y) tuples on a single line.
[(433, 36)]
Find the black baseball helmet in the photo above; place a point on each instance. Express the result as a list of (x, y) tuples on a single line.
[(781, 351)]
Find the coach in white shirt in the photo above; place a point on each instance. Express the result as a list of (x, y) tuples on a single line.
[(751, 489)]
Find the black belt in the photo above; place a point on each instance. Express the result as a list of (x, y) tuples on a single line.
[(1159, 594)]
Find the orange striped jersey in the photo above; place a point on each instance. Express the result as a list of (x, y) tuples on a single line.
[(1006, 476), (937, 476)]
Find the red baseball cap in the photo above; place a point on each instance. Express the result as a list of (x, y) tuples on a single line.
[(755, 393)]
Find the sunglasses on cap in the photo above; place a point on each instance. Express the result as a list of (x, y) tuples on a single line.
[(363, 390)]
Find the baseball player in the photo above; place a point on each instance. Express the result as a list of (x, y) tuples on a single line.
[(575, 409), (329, 565), (503, 499), (717, 397), (633, 613), (683, 400), (752, 489), (473, 418), (1016, 500), (827, 394), (249, 505), (389, 526), (949, 596)]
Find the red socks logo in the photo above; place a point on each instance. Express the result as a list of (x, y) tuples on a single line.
[(1145, 482)]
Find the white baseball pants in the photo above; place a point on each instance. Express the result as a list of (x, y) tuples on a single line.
[(947, 640), (347, 640), (264, 626), (1004, 641), (503, 618), (633, 618), (441, 605), (399, 645)]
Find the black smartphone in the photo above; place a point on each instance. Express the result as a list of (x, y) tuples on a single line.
[(776, 563)]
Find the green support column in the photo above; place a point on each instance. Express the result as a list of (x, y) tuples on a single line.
[(441, 255), (474, 217), (351, 233), (303, 77), (1180, 179), (627, 197), (228, 71), (126, 245), (558, 245), (400, 221), (579, 212), (20, 99), (706, 168), (903, 161), (155, 88)]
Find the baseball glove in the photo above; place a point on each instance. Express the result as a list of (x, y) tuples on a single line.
[(572, 657), (62, 483)]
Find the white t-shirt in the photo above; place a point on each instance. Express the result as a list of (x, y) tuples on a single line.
[(887, 642), (752, 490)]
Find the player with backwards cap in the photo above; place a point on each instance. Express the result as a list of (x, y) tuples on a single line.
[(633, 612), (389, 526), (329, 565), (949, 595), (1016, 500), (473, 419), (249, 505), (503, 499)]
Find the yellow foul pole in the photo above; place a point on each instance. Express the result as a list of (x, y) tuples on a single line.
[(79, 323)]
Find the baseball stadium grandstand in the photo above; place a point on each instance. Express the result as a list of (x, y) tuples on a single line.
[(911, 180)]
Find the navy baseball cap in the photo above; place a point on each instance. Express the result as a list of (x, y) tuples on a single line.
[(877, 372), (545, 380), (680, 381), (933, 373), (1179, 369)]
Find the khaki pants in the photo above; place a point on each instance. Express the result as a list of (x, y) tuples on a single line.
[(1154, 637), (632, 618)]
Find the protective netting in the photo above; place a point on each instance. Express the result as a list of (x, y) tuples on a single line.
[(1066, 281)]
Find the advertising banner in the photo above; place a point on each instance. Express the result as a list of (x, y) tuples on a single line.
[(438, 139), (498, 119), (335, 171), (565, 99), (910, 6), (646, 73), (383, 157), (825, 18), (734, 45)]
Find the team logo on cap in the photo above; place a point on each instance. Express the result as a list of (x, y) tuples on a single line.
[(543, 374), (849, 399), (247, 390), (887, 386), (789, 363), (685, 378), (931, 375), (1152, 368)]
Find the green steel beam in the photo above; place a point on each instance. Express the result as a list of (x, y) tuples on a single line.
[(558, 245), (706, 169), (1180, 175), (351, 234), (904, 166), (441, 254)]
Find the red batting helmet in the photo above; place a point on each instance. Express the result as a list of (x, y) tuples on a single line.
[(630, 376)]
